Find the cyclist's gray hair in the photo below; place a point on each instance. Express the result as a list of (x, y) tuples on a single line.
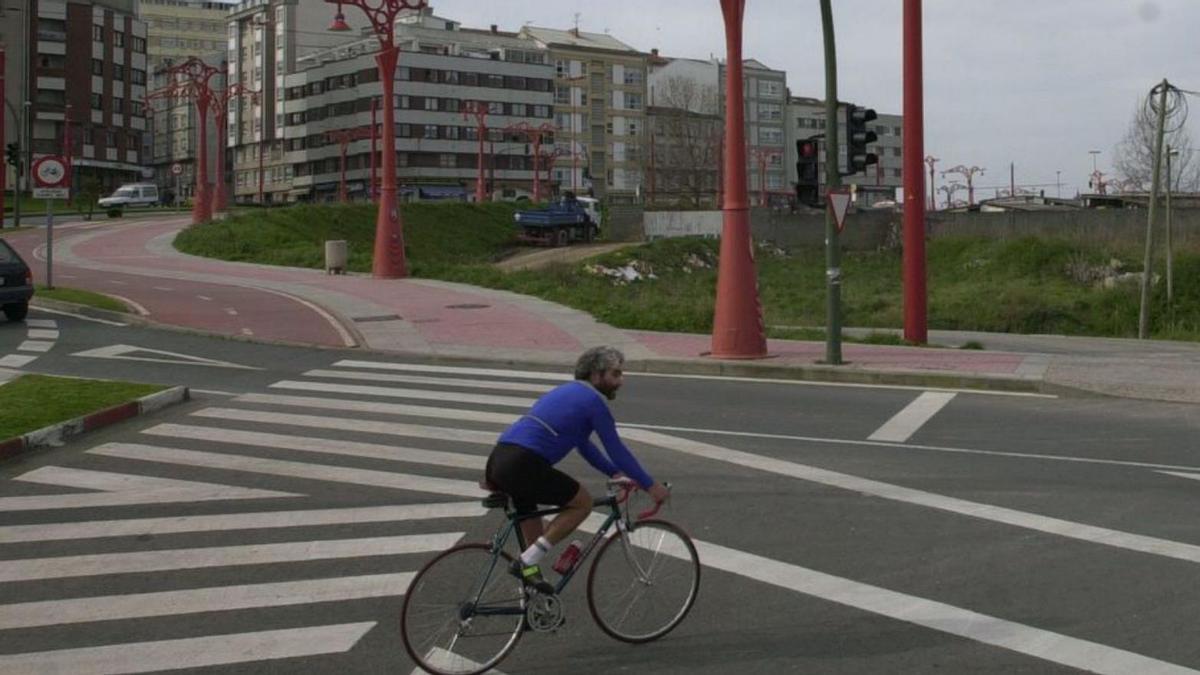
[(598, 360)]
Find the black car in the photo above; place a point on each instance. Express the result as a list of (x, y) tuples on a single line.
[(16, 283)]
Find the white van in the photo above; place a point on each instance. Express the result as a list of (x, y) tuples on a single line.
[(130, 194)]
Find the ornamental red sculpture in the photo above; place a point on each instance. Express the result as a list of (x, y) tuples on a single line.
[(193, 79)]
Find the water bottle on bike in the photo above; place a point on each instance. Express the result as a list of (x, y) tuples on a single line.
[(568, 558)]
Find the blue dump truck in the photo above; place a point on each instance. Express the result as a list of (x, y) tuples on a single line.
[(567, 220)]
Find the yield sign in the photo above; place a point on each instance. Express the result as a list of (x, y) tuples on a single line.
[(839, 204)]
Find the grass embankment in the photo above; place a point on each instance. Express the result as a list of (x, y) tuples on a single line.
[(80, 297), (32, 402), (1022, 286)]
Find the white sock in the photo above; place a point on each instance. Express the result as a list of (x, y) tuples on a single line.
[(536, 550)]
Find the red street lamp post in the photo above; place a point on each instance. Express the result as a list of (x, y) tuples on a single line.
[(534, 135), (388, 261), (969, 174), (192, 78), (478, 110), (738, 330), (762, 155), (221, 99), (931, 161), (343, 137), (373, 193)]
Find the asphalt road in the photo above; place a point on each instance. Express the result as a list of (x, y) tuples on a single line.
[(975, 533)]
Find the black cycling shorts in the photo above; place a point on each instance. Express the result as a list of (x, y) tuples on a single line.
[(528, 478)]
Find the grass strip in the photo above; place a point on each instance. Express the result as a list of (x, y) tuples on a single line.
[(81, 297), (32, 402)]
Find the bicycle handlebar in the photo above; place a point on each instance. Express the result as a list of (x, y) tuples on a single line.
[(628, 486)]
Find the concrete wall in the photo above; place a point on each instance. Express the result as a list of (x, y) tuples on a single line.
[(866, 230), (623, 222)]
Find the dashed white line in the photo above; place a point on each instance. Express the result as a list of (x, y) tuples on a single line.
[(204, 298), (914, 415), (167, 289), (231, 311)]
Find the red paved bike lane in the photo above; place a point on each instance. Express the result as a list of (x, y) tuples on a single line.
[(226, 309)]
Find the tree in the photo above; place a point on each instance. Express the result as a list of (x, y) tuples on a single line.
[(1134, 156), (685, 141)]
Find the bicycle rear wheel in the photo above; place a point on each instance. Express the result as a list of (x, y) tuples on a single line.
[(462, 612), (643, 583)]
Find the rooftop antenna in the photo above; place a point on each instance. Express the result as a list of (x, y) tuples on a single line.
[(576, 31)]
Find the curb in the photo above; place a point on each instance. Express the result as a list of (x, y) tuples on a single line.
[(57, 434)]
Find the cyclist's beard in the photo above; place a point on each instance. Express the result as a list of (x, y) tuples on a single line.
[(610, 392)]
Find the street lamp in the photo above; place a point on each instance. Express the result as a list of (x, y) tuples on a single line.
[(969, 174), (193, 78), (478, 110), (1093, 153), (388, 261), (343, 137), (930, 160)]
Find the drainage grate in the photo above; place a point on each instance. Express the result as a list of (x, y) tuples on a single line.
[(385, 317), (467, 305)]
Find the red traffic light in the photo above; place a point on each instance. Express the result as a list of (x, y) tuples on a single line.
[(807, 148)]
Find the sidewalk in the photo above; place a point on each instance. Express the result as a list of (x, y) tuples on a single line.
[(447, 321)]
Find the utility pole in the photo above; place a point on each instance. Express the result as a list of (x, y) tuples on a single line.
[(833, 180), (913, 272), (1170, 254), (1155, 177)]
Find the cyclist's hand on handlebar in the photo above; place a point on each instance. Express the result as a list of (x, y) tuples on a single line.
[(659, 493)]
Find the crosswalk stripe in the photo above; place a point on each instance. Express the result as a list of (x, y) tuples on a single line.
[(197, 600), (440, 658), (278, 467), (417, 379), (397, 409), (1036, 642), (210, 650), (996, 514), (35, 346), (61, 567), (16, 360), (41, 323), (454, 370), (122, 490), (326, 446), (95, 529), (394, 392), (350, 424), (905, 423)]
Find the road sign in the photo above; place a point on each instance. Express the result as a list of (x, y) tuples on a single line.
[(51, 192), (839, 204), (176, 169), (49, 172)]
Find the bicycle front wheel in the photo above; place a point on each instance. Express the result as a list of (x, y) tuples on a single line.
[(644, 581), (462, 612)]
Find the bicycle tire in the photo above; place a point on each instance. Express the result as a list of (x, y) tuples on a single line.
[(435, 600), (666, 550)]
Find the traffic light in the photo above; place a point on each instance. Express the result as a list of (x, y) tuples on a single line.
[(858, 138), (808, 173), (12, 154)]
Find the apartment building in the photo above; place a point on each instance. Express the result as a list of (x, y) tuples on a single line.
[(267, 40), (600, 111), (806, 118), (177, 30), (437, 144), (79, 66), (698, 86)]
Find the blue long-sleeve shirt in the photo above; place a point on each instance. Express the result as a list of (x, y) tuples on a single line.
[(564, 418)]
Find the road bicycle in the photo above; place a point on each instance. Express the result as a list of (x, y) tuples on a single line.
[(464, 612)]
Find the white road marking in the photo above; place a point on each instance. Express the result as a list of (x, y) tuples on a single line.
[(455, 370), (417, 379), (63, 567), (996, 514), (440, 658), (16, 360), (330, 446), (41, 323), (905, 423), (231, 311), (106, 322), (35, 346), (205, 298), (909, 446), (196, 600), (247, 331), (95, 529), (853, 385), (347, 339), (117, 283), (213, 650), (277, 467), (456, 397), (348, 424), (379, 407), (43, 334), (168, 289), (1036, 642), (121, 490), (1180, 474), (135, 306), (125, 352), (214, 392)]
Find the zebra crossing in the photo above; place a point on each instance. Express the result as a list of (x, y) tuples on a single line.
[(220, 519)]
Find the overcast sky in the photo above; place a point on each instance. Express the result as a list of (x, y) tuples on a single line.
[(1037, 83)]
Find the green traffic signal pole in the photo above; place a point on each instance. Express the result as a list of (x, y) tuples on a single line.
[(833, 179)]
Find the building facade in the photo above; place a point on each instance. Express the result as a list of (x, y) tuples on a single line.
[(177, 30), (443, 67), (600, 99), (880, 182), (698, 86)]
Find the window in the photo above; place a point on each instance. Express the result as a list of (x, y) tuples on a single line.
[(448, 160), (518, 110), (495, 81), (541, 111), (770, 88), (118, 38), (97, 102), (431, 131), (561, 68), (771, 112), (633, 77), (118, 106), (431, 103), (137, 76), (633, 101), (139, 45), (495, 108), (118, 72), (97, 33), (97, 67), (896, 152), (632, 128), (562, 94), (898, 130), (562, 121)]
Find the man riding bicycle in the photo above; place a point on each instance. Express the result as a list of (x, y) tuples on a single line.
[(522, 463)]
